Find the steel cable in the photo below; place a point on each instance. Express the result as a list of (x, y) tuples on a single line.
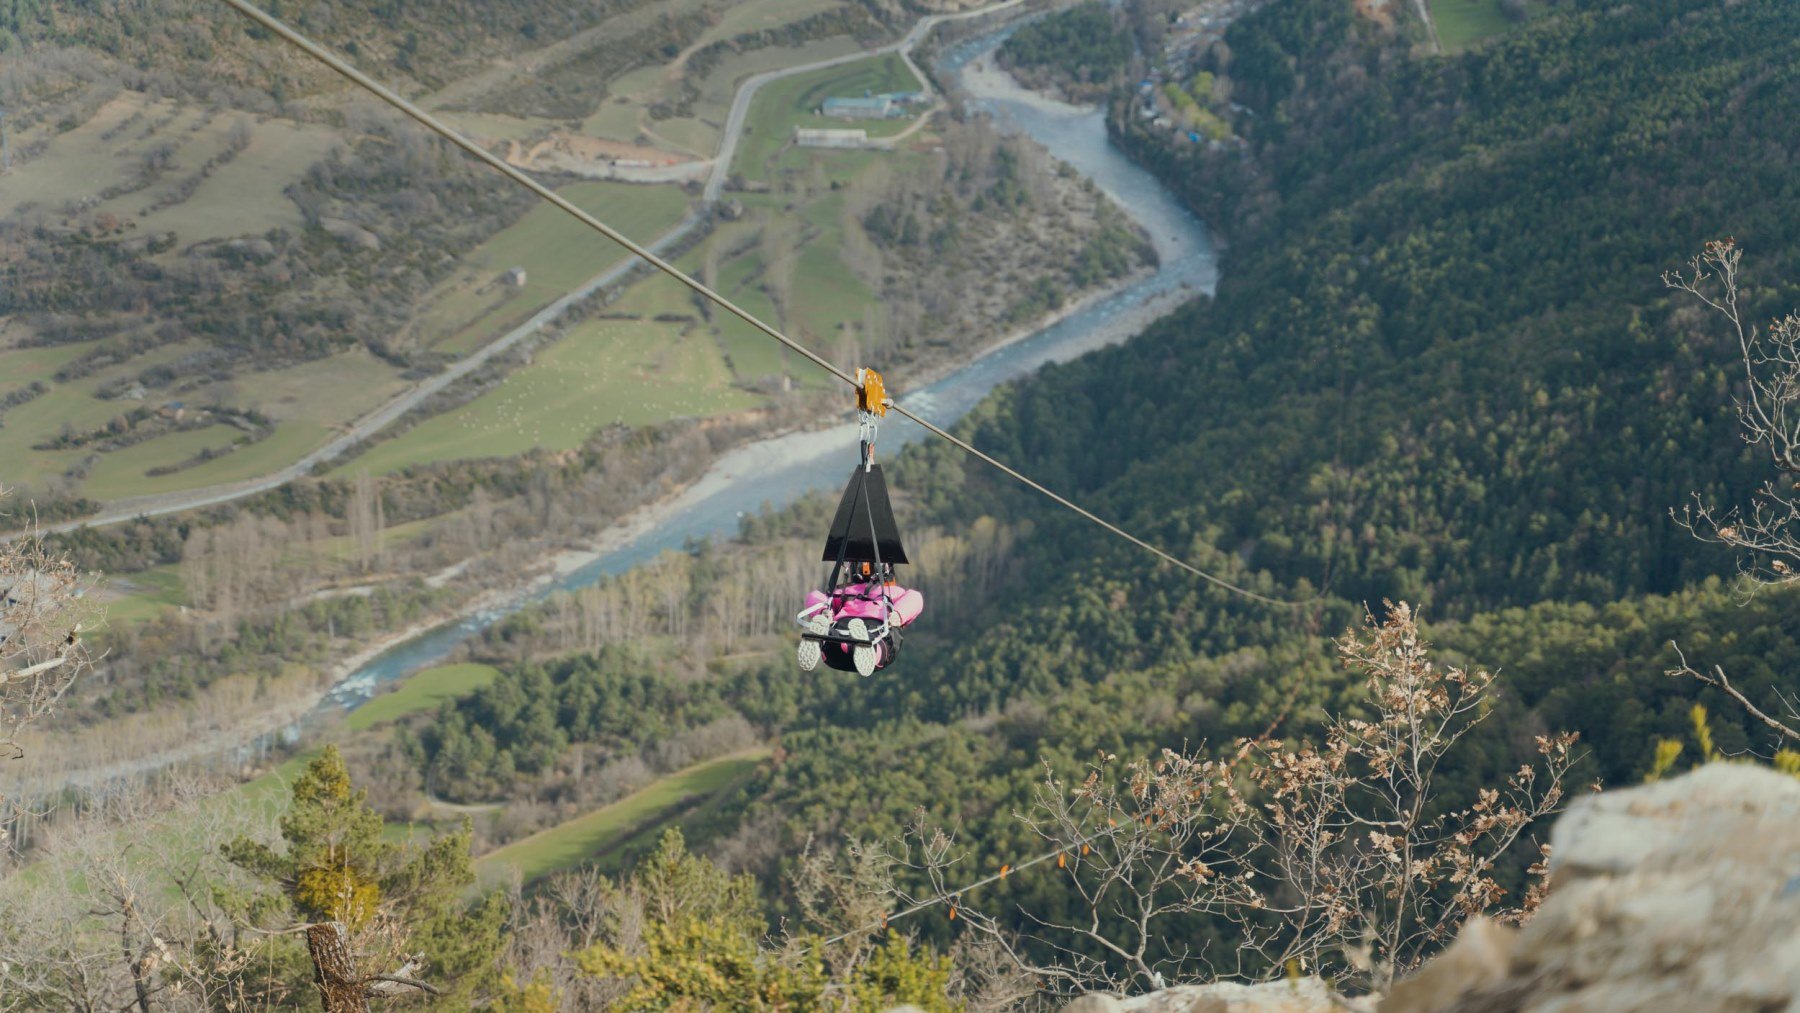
[(450, 134)]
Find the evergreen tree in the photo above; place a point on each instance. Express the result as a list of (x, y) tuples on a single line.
[(393, 899)]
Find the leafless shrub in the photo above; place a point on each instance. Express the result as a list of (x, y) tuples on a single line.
[(571, 913), (126, 912), (1339, 857), (45, 615), (1767, 532)]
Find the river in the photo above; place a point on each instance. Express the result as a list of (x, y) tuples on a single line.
[(779, 471)]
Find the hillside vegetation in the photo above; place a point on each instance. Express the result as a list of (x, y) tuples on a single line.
[(1440, 367), (1079, 51)]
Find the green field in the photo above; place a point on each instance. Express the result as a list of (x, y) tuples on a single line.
[(826, 296), (1463, 23), (305, 400), (309, 399), (122, 473), (600, 373), (423, 690), (756, 15), (792, 102), (570, 844), (243, 196), (144, 595), (327, 392), (70, 405), (20, 366), (558, 254), (80, 163), (624, 115)]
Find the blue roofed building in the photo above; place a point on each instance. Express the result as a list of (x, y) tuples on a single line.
[(874, 107)]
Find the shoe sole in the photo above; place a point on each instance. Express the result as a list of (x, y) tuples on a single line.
[(863, 656), (809, 655)]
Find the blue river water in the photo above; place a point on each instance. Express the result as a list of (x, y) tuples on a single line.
[(1187, 265)]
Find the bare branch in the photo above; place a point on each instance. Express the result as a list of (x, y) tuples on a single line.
[(1338, 861), (399, 982), (1718, 680), (1767, 531), (45, 611)]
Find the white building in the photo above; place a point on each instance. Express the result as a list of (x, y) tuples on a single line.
[(826, 138)]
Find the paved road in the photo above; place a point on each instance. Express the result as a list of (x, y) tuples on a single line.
[(122, 510)]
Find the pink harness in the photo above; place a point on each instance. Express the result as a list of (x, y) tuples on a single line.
[(866, 601)]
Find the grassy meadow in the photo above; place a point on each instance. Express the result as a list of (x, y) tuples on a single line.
[(423, 690), (558, 254), (570, 844), (791, 102), (603, 372), (624, 115), (1464, 23)]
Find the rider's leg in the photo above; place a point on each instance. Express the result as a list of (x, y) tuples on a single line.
[(815, 616), (906, 604), (865, 656)]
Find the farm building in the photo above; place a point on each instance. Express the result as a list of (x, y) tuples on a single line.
[(875, 107), (810, 138)]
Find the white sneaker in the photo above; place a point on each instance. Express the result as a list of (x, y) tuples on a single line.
[(865, 655), (809, 654)]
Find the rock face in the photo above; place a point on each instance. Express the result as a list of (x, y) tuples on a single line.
[(1681, 895), (1303, 995)]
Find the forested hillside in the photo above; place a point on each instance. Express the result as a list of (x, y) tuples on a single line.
[(1078, 51), (1440, 367)]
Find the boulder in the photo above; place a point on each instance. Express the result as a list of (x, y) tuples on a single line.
[(1480, 957), (1679, 895)]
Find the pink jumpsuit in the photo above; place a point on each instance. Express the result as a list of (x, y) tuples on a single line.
[(864, 601)]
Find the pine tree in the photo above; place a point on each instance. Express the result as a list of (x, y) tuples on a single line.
[(396, 902)]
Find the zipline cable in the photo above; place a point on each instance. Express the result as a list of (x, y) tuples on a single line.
[(450, 134), (970, 449)]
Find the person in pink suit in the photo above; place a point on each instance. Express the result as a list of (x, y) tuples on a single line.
[(862, 620)]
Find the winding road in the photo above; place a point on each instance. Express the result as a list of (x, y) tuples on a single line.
[(740, 105), (119, 511)]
